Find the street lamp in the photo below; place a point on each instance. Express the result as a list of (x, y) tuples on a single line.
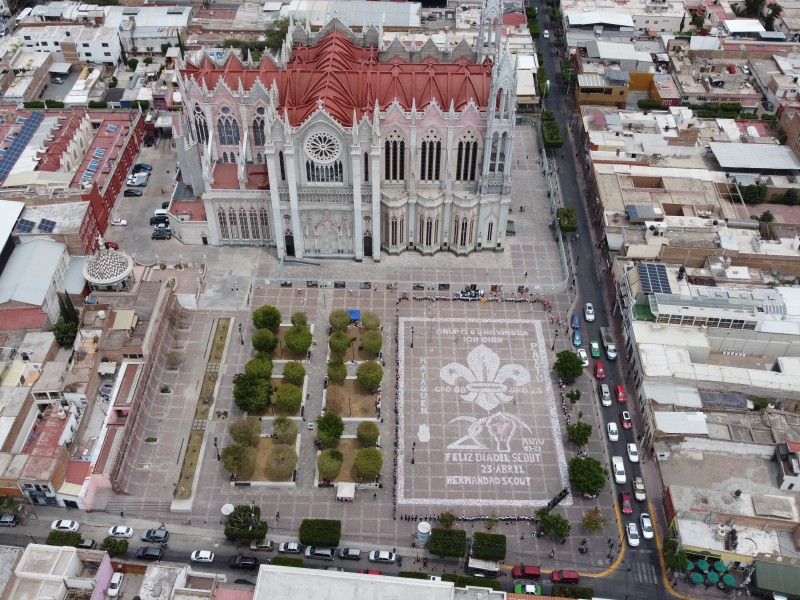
[(555, 337), (413, 447), (412, 336)]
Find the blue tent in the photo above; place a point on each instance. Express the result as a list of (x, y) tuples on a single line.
[(355, 314)]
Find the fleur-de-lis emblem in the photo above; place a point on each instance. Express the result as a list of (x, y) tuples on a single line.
[(486, 379)]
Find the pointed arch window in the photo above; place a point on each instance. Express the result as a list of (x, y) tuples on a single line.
[(200, 125), (243, 228), (394, 158), (463, 239), (258, 131), (430, 157), (254, 224), (282, 166), (394, 231), (489, 232), (366, 167), (223, 224), (467, 158), (228, 128), (263, 216), (233, 224)]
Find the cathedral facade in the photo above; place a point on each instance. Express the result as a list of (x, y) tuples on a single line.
[(343, 146)]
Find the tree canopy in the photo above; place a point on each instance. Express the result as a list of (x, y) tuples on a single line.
[(239, 460), (579, 433), (251, 394), (368, 463), (337, 371), (369, 320), (288, 399), (368, 433), (298, 339), (339, 320), (267, 317), (329, 463), (568, 366), (370, 375), (294, 373), (372, 342), (330, 428), (245, 431), (285, 430), (264, 341), (587, 475), (259, 367), (245, 523)]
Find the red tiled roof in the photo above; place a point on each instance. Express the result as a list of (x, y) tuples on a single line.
[(793, 446), (348, 78), (77, 471)]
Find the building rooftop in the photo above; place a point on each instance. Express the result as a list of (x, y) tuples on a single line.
[(67, 216), (355, 13), (752, 541), (75, 33), (148, 17), (104, 150), (755, 157), (682, 423), (39, 256), (158, 579)]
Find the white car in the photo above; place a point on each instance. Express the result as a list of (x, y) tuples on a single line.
[(290, 548), (119, 222), (632, 533), (546, 34), (588, 312), (583, 356), (202, 556), (64, 525), (120, 532), (633, 453), (619, 469), (381, 556), (613, 432), (115, 585), (647, 526)]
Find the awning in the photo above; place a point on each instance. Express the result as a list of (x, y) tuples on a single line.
[(60, 68), (355, 314), (346, 491), (164, 122), (107, 368)]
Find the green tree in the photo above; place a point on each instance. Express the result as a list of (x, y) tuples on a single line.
[(579, 433), (239, 460), (148, 60), (372, 342), (285, 430), (368, 433), (329, 463), (370, 321), (574, 396), (245, 431), (330, 428), (369, 375), (367, 463), (753, 8), (133, 63), (587, 475), (267, 317), (298, 339), (115, 547), (63, 538), (568, 366), (288, 399), (339, 320), (65, 332), (265, 341), (594, 521), (251, 394), (448, 542), (447, 519), (554, 525), (299, 319), (281, 461), (488, 546), (165, 47), (766, 217), (339, 342), (337, 371), (673, 552), (294, 373), (245, 523), (260, 367), (275, 34)]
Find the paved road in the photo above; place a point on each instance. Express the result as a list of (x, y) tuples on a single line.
[(639, 571)]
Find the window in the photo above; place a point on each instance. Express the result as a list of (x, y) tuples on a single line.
[(393, 241), (489, 232), (394, 158), (332, 173), (366, 167), (430, 157), (233, 224), (258, 131), (467, 158), (44, 43), (243, 224), (224, 157), (106, 53), (26, 37), (104, 45), (228, 129), (200, 125), (223, 224), (282, 166), (89, 54), (56, 44), (85, 45), (263, 216), (254, 223)]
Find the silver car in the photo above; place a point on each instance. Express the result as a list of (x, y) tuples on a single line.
[(647, 526), (632, 533), (381, 556)]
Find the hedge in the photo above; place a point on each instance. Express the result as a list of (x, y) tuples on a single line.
[(551, 134), (572, 591), (541, 81), (287, 561), (320, 532), (448, 542), (567, 220), (462, 581), (647, 103), (489, 546), (412, 575)]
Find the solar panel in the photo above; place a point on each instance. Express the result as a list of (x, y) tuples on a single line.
[(88, 175), (21, 120), (99, 153), (24, 226), (47, 226), (10, 138), (93, 164), (29, 127), (111, 128), (653, 278)]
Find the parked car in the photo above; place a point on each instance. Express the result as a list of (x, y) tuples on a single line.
[(583, 357), (745, 69), (159, 219), (588, 312), (599, 371), (625, 504), (115, 584), (111, 245), (161, 235), (131, 193), (337, 569), (57, 80), (320, 552), (625, 419), (632, 533), (165, 205), (202, 556), (155, 535), (86, 544), (264, 545), (768, 106), (613, 432), (64, 525), (619, 469), (369, 572), (526, 572), (120, 532), (141, 168), (594, 348), (290, 548), (119, 222), (647, 526), (576, 339), (633, 453), (546, 34), (564, 576), (243, 562), (381, 556), (350, 554), (9, 521), (622, 397), (638, 489), (149, 553), (528, 589), (576, 321)]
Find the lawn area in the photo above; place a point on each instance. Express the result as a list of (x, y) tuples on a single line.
[(354, 352), (350, 400), (348, 447)]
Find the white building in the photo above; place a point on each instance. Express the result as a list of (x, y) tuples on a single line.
[(648, 16), (146, 27), (72, 43)]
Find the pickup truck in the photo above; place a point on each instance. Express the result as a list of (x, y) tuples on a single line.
[(638, 489)]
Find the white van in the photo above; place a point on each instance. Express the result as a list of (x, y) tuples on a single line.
[(160, 212), (619, 469), (604, 393)]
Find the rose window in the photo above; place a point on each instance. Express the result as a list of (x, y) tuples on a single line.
[(323, 148)]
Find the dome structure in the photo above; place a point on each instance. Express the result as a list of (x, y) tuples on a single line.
[(108, 269)]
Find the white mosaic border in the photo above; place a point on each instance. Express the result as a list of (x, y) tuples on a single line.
[(541, 369)]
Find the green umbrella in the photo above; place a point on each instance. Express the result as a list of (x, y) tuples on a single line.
[(703, 565), (719, 566), (697, 578), (689, 565), (712, 578), (728, 580)]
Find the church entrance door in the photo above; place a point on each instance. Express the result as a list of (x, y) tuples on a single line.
[(288, 241), (367, 245)]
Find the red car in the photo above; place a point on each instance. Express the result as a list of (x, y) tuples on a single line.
[(625, 503), (621, 397), (599, 371), (111, 246), (370, 572), (526, 572), (625, 419)]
